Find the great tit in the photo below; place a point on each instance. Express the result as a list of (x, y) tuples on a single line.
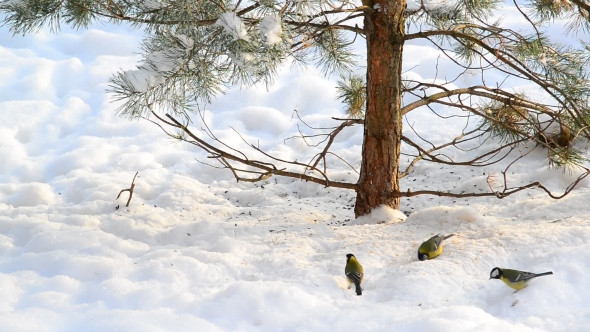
[(515, 279), (432, 247), (354, 273)]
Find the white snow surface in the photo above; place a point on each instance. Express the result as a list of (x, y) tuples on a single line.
[(196, 251)]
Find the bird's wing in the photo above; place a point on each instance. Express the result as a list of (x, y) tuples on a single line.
[(437, 239), (355, 277), (524, 276)]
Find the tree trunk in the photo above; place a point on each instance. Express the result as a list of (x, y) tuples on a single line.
[(385, 32)]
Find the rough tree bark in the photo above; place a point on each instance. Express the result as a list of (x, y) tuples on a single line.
[(384, 26)]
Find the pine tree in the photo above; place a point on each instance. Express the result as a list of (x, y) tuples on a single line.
[(193, 50)]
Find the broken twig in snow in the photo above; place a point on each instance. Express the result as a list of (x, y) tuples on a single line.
[(130, 190)]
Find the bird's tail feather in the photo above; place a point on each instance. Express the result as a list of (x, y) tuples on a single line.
[(543, 274), (359, 290), (448, 236)]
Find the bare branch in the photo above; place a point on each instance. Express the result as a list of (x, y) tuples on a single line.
[(435, 148), (334, 26), (501, 194), (269, 168), (332, 136), (490, 93), (130, 190)]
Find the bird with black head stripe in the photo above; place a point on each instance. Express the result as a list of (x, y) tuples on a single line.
[(515, 279), (354, 273), (432, 247)]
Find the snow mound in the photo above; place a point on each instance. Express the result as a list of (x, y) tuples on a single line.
[(446, 215), (31, 194), (380, 215)]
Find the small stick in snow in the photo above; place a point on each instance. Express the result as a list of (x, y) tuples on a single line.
[(554, 221), (130, 190)]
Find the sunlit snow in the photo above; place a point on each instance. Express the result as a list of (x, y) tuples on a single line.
[(271, 30), (196, 251), (232, 25)]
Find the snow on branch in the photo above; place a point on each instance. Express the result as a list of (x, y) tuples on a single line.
[(156, 66), (232, 25), (271, 30), (152, 4)]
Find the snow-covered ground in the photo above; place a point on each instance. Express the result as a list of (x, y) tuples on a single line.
[(197, 252)]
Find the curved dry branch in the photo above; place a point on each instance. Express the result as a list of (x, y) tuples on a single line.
[(509, 60), (332, 136), (478, 161), (421, 155), (499, 194), (212, 135), (499, 95), (268, 168), (325, 25), (329, 137)]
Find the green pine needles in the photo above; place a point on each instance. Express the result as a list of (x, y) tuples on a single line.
[(352, 92)]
